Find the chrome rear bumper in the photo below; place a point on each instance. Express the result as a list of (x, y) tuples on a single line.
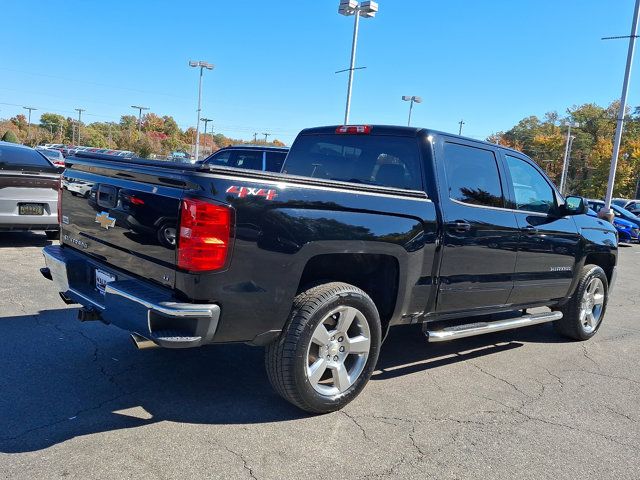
[(131, 303)]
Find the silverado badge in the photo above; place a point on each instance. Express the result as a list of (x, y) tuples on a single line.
[(105, 220)]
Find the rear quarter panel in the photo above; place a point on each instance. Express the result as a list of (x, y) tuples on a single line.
[(275, 238)]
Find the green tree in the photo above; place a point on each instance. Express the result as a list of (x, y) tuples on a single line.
[(9, 136)]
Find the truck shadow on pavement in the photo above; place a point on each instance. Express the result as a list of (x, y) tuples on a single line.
[(62, 379)]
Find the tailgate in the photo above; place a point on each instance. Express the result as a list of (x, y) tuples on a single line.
[(128, 224)]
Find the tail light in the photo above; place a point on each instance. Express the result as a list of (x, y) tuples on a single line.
[(203, 242), (354, 129)]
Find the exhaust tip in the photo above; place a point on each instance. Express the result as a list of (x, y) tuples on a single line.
[(142, 343)]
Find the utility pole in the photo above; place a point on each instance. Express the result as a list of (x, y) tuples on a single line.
[(461, 123), (79, 110), (29, 121), (567, 155), (140, 109), (606, 212), (202, 65), (265, 136), (206, 122)]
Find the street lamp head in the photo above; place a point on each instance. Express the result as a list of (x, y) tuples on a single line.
[(409, 98), (200, 63), (368, 9), (347, 7)]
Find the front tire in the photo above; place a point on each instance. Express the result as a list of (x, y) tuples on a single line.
[(328, 349), (583, 314)]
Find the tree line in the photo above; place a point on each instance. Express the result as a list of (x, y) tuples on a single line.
[(156, 135), (544, 140)]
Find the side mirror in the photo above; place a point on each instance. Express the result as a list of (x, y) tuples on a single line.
[(575, 206)]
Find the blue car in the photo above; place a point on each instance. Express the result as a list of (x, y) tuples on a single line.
[(627, 231)]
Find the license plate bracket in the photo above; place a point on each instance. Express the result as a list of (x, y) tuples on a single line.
[(102, 278), (30, 209)]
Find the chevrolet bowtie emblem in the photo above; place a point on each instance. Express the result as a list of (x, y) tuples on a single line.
[(105, 220)]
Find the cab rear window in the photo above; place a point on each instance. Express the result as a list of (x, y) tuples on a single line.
[(382, 160)]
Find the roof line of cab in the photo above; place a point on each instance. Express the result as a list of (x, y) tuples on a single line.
[(403, 131)]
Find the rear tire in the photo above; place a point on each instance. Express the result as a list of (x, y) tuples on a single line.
[(328, 349), (53, 234), (583, 314)]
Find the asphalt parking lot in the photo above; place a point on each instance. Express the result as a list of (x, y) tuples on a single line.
[(78, 401)]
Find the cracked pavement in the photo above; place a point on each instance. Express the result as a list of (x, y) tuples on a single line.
[(78, 401)]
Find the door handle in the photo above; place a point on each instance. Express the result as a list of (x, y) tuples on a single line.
[(529, 230), (459, 226)]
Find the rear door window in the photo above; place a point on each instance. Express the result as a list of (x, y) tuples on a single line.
[(473, 175), (382, 160)]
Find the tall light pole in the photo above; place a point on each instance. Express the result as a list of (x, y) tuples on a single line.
[(206, 122), (461, 123), (366, 9), (140, 109), (29, 121), (202, 65), (411, 100), (255, 137), (266, 135), (79, 110), (605, 211), (567, 154)]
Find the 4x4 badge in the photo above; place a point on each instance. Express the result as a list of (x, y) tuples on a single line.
[(105, 220)]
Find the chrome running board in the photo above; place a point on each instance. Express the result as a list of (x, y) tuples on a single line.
[(480, 328)]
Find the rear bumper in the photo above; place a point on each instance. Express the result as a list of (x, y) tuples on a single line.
[(130, 303)]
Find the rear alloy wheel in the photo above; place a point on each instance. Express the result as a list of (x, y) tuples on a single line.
[(583, 313), (328, 349), (334, 359)]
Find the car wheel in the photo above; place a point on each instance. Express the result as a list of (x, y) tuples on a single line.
[(328, 348), (583, 313), (53, 234)]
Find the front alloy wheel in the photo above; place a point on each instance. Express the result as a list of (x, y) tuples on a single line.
[(592, 305)]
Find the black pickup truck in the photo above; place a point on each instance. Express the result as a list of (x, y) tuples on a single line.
[(365, 228)]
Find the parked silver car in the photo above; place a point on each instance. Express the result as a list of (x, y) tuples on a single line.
[(29, 185)]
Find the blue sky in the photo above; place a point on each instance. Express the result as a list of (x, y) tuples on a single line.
[(488, 62)]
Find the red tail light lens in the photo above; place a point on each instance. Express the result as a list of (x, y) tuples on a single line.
[(354, 129), (203, 242)]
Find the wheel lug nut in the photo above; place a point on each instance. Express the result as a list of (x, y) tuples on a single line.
[(335, 359), (328, 357), (342, 349), (333, 338), (340, 339)]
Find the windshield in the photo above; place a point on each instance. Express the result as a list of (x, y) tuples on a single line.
[(371, 159)]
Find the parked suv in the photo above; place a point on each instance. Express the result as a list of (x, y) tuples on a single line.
[(252, 157), (29, 185)]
